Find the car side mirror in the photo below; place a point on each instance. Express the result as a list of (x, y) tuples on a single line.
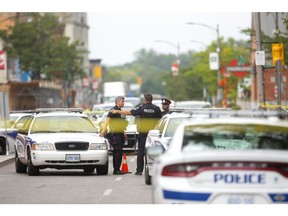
[(155, 150), (154, 133)]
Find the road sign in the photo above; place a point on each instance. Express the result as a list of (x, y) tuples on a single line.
[(214, 61), (175, 69), (239, 68), (260, 58)]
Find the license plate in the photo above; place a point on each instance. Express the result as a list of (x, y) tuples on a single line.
[(72, 157), (240, 199)]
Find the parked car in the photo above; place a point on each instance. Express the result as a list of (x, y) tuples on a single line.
[(131, 143), (9, 131), (18, 118), (165, 128), (161, 136), (98, 110), (238, 160), (60, 139), (192, 104), (7, 139)]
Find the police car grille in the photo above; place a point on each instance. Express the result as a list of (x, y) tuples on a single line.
[(71, 146)]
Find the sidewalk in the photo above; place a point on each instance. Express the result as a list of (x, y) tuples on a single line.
[(6, 159)]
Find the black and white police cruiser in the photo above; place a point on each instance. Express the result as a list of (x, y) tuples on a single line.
[(236, 160), (62, 139)]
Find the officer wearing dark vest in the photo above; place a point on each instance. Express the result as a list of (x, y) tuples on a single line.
[(117, 125), (148, 114)]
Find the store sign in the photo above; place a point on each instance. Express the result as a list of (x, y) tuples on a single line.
[(3, 67)]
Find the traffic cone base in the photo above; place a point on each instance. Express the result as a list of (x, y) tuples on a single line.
[(124, 164)]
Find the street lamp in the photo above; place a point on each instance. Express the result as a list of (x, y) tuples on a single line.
[(218, 50), (177, 46), (199, 42)]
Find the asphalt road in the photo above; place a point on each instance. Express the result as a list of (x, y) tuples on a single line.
[(73, 187)]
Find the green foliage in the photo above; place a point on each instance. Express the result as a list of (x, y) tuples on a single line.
[(194, 75), (42, 49)]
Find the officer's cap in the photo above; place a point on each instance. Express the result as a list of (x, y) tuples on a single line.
[(165, 100)]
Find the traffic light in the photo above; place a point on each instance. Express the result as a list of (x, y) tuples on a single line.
[(277, 53), (97, 73)]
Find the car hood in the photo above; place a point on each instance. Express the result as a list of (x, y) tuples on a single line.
[(66, 137)]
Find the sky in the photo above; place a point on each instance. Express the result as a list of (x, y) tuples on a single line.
[(120, 28), (115, 37)]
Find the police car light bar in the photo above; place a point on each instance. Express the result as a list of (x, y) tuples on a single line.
[(22, 111), (46, 110), (216, 112)]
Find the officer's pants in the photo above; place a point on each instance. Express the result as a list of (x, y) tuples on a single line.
[(141, 151), (117, 141)]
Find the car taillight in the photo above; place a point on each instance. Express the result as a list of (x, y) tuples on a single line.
[(180, 170), (192, 169)]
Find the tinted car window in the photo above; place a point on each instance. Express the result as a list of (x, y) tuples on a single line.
[(235, 137)]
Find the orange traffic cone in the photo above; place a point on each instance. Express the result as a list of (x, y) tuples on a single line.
[(124, 164)]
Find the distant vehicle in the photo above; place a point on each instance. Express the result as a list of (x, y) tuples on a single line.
[(158, 103), (61, 139), (113, 89), (107, 106), (131, 132), (134, 100), (224, 160), (16, 118), (8, 135), (192, 104)]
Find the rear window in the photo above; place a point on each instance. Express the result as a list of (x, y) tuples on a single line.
[(230, 136)]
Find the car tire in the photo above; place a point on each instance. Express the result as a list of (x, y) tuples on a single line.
[(19, 167), (89, 170), (103, 169), (2, 146), (147, 176), (31, 169)]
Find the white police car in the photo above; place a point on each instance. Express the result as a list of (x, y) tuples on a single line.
[(231, 161), (60, 139), (161, 136), (165, 128)]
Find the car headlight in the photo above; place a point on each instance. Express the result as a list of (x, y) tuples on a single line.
[(43, 146), (98, 146)]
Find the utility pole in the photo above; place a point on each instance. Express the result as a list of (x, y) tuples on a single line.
[(259, 68), (218, 50)]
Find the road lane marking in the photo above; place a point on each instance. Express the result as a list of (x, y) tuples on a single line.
[(107, 192), (118, 179)]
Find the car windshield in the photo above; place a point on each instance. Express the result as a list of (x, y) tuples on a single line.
[(69, 124), (172, 125), (235, 137)]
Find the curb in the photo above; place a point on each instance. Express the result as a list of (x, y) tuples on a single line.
[(7, 161)]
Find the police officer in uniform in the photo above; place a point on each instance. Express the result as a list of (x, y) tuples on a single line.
[(165, 106), (117, 125), (148, 114)]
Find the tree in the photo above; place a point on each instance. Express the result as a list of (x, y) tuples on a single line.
[(42, 49)]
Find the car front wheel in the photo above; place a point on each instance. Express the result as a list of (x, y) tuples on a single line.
[(147, 176), (102, 169), (89, 170), (19, 167), (32, 170)]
